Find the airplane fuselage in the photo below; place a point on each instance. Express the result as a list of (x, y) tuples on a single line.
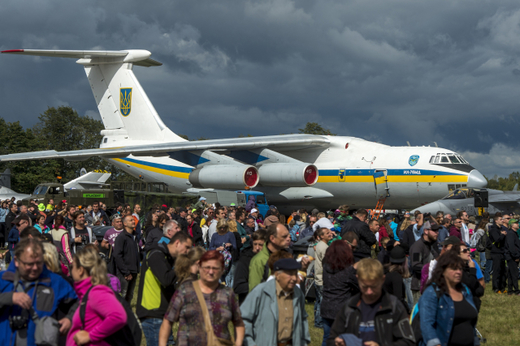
[(352, 171)]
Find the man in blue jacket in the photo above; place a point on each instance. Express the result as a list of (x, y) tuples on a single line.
[(41, 289)]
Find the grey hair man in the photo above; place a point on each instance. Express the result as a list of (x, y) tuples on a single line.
[(170, 228)]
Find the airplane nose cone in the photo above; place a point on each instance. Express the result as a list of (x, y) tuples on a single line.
[(476, 179)]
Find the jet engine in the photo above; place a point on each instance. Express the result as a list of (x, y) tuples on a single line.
[(224, 177), (288, 174)]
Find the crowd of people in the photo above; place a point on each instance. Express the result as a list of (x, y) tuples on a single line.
[(396, 280)]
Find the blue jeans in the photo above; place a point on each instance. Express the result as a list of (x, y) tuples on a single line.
[(317, 306), (489, 268), (482, 260), (230, 277), (327, 324), (151, 328)]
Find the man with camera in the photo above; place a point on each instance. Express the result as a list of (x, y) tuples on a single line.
[(22, 317), (80, 234)]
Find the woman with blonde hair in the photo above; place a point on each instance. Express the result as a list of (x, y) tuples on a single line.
[(235, 253), (225, 242), (187, 266), (104, 314), (51, 258)]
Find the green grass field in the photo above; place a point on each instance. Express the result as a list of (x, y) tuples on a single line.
[(499, 320)]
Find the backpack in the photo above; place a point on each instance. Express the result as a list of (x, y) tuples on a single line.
[(295, 232), (129, 335), (483, 243), (228, 258)]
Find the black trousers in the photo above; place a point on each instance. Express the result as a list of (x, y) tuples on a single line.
[(499, 272), (512, 277)]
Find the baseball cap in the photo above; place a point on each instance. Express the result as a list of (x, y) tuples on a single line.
[(202, 199), (436, 227), (451, 240), (254, 210)]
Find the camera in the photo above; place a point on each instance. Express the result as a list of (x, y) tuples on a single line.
[(18, 322), (84, 238)]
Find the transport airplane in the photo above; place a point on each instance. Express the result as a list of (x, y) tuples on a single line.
[(292, 170)]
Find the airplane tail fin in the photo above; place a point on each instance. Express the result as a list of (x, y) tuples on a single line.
[(126, 111)]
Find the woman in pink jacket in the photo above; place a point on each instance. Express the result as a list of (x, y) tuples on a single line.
[(104, 315)]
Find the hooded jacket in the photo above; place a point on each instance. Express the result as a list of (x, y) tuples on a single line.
[(156, 283), (104, 314), (421, 252), (365, 235)]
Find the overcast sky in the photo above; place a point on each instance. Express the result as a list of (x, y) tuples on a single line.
[(388, 71)]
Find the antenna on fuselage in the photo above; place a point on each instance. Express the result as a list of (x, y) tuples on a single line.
[(408, 143)]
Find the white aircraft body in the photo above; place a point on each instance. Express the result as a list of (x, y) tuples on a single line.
[(292, 170)]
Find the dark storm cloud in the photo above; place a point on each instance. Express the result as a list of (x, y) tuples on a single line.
[(388, 71)]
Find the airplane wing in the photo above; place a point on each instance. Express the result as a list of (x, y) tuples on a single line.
[(282, 142), (504, 198)]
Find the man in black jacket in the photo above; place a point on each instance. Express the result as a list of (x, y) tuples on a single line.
[(374, 316), (241, 280), (421, 252), (13, 212), (512, 255), (366, 237), (126, 255), (157, 284), (497, 236)]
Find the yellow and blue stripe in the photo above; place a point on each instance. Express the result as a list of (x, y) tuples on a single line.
[(169, 170), (393, 176), (326, 175)]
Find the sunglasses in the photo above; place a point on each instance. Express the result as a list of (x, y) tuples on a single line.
[(464, 251)]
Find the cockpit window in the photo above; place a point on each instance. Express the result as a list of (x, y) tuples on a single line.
[(457, 194), (454, 159), (448, 158)]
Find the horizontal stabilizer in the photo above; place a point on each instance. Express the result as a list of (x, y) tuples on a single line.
[(89, 180), (136, 56)]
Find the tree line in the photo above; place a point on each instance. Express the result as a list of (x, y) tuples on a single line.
[(504, 184), (59, 129)]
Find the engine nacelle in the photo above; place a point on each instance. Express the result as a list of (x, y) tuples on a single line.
[(288, 174), (225, 177)]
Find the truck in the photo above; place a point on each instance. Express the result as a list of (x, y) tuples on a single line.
[(131, 192)]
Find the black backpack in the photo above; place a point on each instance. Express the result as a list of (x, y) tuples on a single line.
[(129, 335), (483, 243)]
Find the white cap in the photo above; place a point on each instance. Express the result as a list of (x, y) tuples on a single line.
[(254, 210)]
